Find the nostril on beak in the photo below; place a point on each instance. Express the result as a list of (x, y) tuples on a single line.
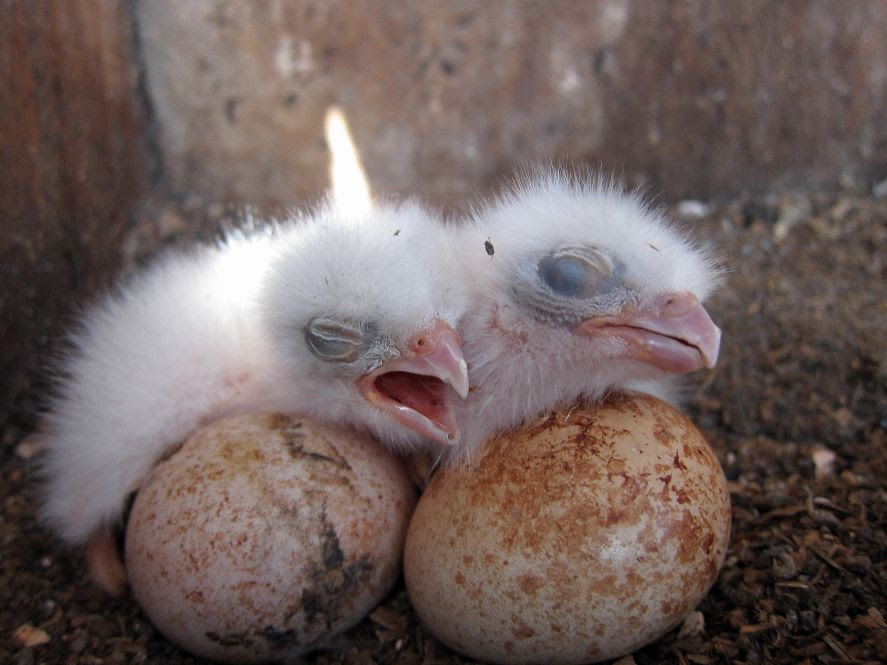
[(676, 304), (422, 345)]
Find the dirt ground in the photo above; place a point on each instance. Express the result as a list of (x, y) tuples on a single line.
[(795, 410)]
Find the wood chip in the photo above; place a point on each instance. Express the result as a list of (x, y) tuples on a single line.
[(808, 650), (693, 626), (389, 618), (28, 636), (626, 660), (825, 503), (871, 620), (787, 511), (835, 646), (698, 658)]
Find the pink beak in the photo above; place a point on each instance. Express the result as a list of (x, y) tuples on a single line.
[(676, 334), (412, 388)]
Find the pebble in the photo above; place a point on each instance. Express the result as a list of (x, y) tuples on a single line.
[(692, 209), (824, 462), (792, 211)]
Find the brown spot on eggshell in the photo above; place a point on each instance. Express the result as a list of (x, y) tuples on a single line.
[(601, 519), (522, 631), (678, 464), (265, 535)]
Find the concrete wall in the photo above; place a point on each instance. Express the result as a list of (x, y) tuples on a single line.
[(694, 97)]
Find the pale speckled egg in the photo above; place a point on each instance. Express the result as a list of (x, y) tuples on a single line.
[(266, 534), (575, 539)]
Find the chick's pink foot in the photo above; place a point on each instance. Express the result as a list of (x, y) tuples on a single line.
[(106, 566)]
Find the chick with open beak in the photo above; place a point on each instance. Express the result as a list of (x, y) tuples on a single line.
[(415, 386)]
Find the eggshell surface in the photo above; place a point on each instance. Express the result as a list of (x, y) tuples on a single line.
[(575, 539), (266, 534)]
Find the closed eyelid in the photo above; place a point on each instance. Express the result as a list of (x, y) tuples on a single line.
[(334, 340)]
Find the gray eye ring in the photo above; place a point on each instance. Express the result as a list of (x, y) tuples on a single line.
[(334, 340), (575, 272)]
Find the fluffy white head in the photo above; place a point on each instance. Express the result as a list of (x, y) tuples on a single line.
[(568, 277), (348, 297)]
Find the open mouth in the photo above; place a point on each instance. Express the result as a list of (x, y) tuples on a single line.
[(417, 389), (418, 401)]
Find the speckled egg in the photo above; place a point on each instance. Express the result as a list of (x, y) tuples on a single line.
[(576, 539), (266, 534)]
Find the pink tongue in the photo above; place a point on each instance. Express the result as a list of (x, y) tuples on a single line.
[(419, 393)]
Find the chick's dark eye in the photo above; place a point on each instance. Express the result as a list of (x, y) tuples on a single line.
[(333, 340), (575, 272)]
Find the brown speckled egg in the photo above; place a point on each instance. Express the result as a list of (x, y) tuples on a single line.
[(576, 539), (265, 534)]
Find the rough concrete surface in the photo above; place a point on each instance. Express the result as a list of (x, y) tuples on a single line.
[(697, 98)]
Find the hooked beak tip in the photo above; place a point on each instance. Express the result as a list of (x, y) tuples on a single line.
[(677, 335), (442, 356), (459, 381), (712, 349)]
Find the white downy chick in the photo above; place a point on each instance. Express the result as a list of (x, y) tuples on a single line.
[(577, 289), (342, 319)]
